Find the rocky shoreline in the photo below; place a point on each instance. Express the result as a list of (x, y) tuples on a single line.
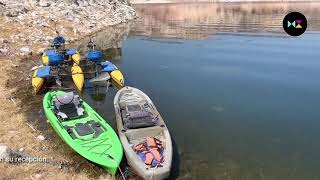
[(214, 1), (28, 25)]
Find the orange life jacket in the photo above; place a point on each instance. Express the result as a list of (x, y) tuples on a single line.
[(149, 158), (156, 154), (151, 150), (140, 147), (154, 143)]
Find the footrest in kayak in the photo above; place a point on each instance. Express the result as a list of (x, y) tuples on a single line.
[(70, 132), (91, 127), (83, 129), (97, 129)]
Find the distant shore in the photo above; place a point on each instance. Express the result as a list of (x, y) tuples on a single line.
[(215, 1)]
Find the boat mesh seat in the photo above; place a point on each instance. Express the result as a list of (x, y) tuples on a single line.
[(68, 105), (83, 129), (90, 127)]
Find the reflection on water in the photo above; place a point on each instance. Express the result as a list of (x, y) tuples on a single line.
[(109, 41), (199, 20), (240, 103)]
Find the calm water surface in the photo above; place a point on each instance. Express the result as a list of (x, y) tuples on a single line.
[(240, 97)]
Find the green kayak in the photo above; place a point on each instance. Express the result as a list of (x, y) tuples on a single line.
[(83, 129)]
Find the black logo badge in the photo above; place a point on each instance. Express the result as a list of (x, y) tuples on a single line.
[(295, 24)]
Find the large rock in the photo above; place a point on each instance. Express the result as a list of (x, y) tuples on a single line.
[(4, 41), (41, 138), (25, 51), (12, 13), (5, 152), (3, 51), (44, 3), (40, 176)]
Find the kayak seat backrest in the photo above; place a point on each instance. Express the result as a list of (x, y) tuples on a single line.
[(108, 67), (55, 59), (44, 71), (68, 105), (134, 116), (71, 52), (68, 111), (94, 56)]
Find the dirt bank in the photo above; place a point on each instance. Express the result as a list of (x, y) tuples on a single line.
[(18, 133), (25, 26)]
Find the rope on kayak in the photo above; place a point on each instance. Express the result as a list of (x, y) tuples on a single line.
[(110, 157), (151, 177), (107, 87), (123, 177)]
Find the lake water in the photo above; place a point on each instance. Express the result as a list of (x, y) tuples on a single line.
[(241, 98)]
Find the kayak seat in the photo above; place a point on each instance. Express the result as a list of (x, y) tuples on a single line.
[(55, 59), (135, 116), (71, 52), (68, 105), (94, 56), (55, 52), (103, 64), (50, 52), (108, 67), (83, 129), (44, 71)]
